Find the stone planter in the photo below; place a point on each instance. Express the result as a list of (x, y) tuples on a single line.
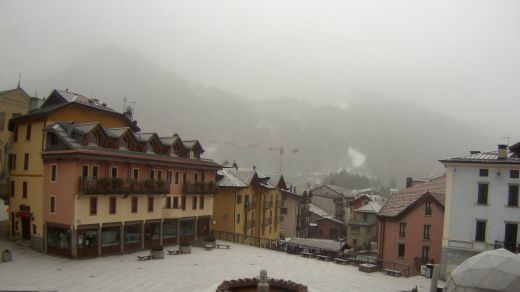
[(157, 254), (185, 249), (7, 256)]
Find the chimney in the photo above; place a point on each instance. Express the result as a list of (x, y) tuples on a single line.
[(502, 151), (254, 167), (235, 165), (129, 113), (409, 182)]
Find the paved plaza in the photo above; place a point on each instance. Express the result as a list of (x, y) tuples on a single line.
[(200, 271)]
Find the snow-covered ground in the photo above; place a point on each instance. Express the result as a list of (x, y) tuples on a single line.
[(200, 271)]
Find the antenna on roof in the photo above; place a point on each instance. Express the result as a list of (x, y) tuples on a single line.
[(19, 80), (124, 103)]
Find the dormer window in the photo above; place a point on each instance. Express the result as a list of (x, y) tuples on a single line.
[(149, 147), (92, 139), (191, 154), (172, 151), (123, 143)]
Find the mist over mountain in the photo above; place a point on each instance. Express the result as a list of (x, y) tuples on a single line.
[(368, 132)]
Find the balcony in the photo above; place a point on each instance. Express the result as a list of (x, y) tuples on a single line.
[(249, 206), (108, 185), (279, 204), (268, 204), (268, 221), (250, 224), (511, 246), (199, 188)]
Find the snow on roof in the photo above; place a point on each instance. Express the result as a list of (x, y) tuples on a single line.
[(322, 213), (232, 177)]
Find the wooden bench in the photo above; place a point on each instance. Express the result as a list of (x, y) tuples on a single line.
[(223, 246), (176, 251), (144, 258), (323, 257), (391, 272), (341, 261), (306, 254)]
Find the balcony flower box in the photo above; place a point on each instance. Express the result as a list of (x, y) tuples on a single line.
[(157, 252), (185, 247)]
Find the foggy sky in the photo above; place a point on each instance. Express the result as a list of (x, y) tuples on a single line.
[(461, 58)]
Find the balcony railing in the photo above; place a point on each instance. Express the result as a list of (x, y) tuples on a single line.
[(268, 204), (199, 188), (108, 185), (510, 246), (279, 204), (250, 224), (268, 221)]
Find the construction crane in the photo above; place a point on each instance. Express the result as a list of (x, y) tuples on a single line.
[(280, 149)]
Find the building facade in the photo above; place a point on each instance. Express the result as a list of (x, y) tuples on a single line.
[(249, 203), (482, 210), (85, 183), (362, 226), (303, 216), (410, 225), (333, 199), (324, 225)]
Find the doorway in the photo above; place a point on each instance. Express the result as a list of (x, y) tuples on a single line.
[(510, 236), (26, 228)]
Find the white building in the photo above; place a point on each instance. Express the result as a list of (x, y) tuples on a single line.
[(482, 210)]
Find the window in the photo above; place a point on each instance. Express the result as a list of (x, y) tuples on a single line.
[(12, 189), (112, 207), (149, 147), (2, 121), (402, 230), (400, 250), (426, 233), (123, 143), (480, 232), (24, 190), (28, 133), (93, 206), (238, 218), (425, 254), (483, 172), (514, 173), (170, 177), (159, 175), (134, 204), (135, 174), (202, 177), (184, 180), (12, 161), (482, 194), (53, 205), (168, 202), (26, 161), (150, 204), (176, 177), (365, 217), (183, 203), (54, 172), (194, 203), (95, 171), (151, 174), (239, 199), (34, 228), (428, 208), (176, 202), (201, 204), (15, 134), (512, 199), (114, 172), (196, 177), (84, 172)]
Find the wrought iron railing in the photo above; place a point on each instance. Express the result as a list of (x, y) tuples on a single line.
[(199, 188), (109, 185)]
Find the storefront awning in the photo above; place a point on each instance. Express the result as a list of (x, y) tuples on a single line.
[(23, 214)]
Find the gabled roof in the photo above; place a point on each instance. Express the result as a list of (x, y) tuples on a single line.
[(371, 206), (231, 177), (192, 144), (59, 99), (116, 132), (322, 213), (85, 128), (513, 156), (406, 199), (332, 190)]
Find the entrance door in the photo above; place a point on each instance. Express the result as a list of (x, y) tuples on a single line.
[(13, 225), (26, 228), (510, 237)]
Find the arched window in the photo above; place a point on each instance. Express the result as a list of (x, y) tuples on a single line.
[(2, 121)]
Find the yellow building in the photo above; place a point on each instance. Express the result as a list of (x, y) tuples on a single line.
[(13, 102), (248, 204)]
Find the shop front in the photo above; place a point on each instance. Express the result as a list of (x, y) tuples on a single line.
[(132, 236), (203, 226), (88, 240), (169, 235), (152, 233), (111, 238), (58, 239), (187, 230)]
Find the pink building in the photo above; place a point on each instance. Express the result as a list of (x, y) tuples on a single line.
[(410, 227)]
